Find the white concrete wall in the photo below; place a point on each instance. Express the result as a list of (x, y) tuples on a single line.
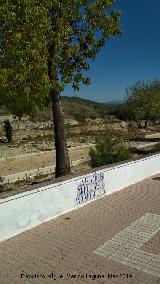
[(26, 210)]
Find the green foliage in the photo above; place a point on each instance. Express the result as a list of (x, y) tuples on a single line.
[(8, 130), (101, 110), (121, 111), (109, 149), (143, 100), (47, 44), (23, 75), (157, 147)]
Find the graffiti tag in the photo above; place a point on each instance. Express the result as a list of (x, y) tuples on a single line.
[(90, 187)]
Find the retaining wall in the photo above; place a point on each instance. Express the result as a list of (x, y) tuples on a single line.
[(26, 210), (35, 173)]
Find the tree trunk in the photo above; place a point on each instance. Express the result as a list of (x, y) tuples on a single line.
[(62, 157), (138, 123), (146, 123)]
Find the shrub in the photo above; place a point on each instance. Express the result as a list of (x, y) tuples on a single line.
[(8, 130), (109, 149), (80, 116), (133, 132), (41, 115), (157, 147)]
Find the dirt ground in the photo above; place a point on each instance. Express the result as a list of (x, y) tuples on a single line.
[(36, 160), (20, 163), (33, 143)]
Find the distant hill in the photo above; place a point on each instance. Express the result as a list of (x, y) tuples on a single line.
[(114, 103), (89, 102), (76, 108), (80, 109), (80, 100)]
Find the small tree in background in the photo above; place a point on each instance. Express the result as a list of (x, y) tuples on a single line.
[(143, 101), (109, 149), (8, 130)]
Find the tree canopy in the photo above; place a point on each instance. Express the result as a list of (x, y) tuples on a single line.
[(45, 45), (143, 100), (48, 44)]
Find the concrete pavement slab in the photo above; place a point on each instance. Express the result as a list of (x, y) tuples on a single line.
[(122, 228)]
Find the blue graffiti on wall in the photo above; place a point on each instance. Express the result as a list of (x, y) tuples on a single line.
[(90, 187)]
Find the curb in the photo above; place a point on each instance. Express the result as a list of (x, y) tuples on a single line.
[(31, 174)]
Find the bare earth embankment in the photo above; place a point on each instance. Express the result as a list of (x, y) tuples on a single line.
[(33, 142)]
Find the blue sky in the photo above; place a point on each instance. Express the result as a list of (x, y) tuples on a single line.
[(134, 56)]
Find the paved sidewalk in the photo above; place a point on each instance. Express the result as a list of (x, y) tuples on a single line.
[(115, 239)]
